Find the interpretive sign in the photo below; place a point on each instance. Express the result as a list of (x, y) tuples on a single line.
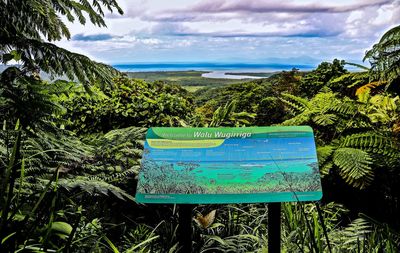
[(229, 165)]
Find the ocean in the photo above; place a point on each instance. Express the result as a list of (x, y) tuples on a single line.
[(234, 67)]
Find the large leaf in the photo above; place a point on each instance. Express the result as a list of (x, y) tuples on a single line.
[(61, 227)]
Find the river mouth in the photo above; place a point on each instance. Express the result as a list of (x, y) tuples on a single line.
[(222, 74)]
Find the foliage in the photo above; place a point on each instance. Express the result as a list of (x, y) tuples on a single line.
[(270, 111), (72, 191), (384, 57), (226, 116), (25, 98), (312, 82), (339, 120), (255, 98), (286, 82), (25, 23), (130, 102), (63, 170)]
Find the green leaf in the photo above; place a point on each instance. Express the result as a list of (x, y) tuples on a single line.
[(112, 246), (217, 239), (7, 237), (61, 227), (142, 243)]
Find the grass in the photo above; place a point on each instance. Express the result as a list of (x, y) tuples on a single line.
[(193, 88)]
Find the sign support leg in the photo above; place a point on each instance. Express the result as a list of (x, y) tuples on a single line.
[(274, 227), (185, 228)]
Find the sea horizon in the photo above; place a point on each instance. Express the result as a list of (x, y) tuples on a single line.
[(208, 66)]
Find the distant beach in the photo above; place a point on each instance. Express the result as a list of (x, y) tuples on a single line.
[(227, 75)]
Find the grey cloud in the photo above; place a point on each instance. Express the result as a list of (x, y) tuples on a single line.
[(179, 30), (257, 6), (186, 17)]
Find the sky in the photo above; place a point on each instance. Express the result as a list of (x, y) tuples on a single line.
[(244, 31)]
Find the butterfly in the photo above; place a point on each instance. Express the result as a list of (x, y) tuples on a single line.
[(205, 221)]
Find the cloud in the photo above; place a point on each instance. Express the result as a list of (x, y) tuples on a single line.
[(257, 6), (92, 37), (373, 22), (261, 18), (180, 30), (238, 29)]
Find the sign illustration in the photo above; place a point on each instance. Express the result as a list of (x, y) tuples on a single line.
[(229, 165)]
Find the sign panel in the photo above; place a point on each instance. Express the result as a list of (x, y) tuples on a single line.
[(229, 165)]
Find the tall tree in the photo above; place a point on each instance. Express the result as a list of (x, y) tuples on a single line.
[(27, 29)]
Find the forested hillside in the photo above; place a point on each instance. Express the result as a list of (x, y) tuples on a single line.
[(70, 151)]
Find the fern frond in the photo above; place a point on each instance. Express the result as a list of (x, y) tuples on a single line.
[(344, 107), (384, 56), (300, 119), (351, 80), (369, 86), (94, 187), (355, 166), (116, 177), (324, 153), (298, 103), (326, 168), (325, 119), (372, 142), (356, 231)]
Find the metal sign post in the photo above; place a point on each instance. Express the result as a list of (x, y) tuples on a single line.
[(274, 227), (185, 228)]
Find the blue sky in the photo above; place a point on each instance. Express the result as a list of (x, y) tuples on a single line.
[(247, 31)]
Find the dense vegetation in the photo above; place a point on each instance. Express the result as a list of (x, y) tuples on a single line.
[(191, 80), (70, 151)]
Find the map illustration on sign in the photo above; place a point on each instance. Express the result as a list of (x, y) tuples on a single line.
[(229, 165)]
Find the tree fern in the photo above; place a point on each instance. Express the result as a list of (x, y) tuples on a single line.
[(25, 23), (384, 56), (322, 110)]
